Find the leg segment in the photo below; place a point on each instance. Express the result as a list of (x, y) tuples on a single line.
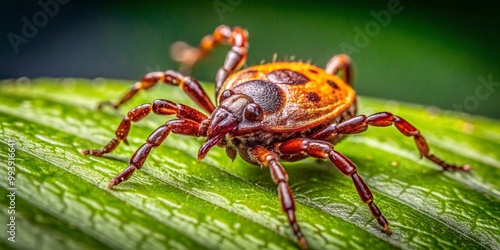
[(159, 107), (341, 63), (186, 83), (280, 177), (179, 126), (237, 38), (323, 150), (360, 124)]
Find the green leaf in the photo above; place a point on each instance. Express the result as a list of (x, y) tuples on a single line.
[(174, 201)]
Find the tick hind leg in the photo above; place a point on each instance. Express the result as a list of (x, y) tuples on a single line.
[(188, 123), (340, 64), (324, 150), (186, 83), (280, 177), (235, 37), (360, 124)]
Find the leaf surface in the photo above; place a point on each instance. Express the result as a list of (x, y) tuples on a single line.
[(174, 201)]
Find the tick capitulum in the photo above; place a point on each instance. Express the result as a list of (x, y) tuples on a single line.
[(266, 113)]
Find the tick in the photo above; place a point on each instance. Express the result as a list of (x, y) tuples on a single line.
[(279, 111)]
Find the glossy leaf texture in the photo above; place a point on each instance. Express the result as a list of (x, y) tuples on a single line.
[(175, 202)]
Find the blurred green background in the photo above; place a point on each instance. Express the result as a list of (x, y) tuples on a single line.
[(430, 53)]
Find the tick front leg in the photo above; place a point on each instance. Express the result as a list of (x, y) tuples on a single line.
[(323, 150), (343, 64), (159, 107), (360, 124), (178, 126), (192, 88), (236, 37), (280, 177)]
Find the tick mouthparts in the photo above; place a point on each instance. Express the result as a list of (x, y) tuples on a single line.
[(221, 123), (208, 145)]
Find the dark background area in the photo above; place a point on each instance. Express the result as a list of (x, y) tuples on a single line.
[(429, 53)]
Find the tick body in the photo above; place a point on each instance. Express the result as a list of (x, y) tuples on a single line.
[(280, 111)]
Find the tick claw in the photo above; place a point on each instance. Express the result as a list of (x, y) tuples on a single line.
[(466, 168), (303, 243), (106, 103), (112, 183), (387, 230)]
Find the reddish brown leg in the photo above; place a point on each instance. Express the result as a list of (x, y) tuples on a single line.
[(236, 57), (360, 124), (323, 150), (186, 83), (280, 177), (178, 126), (340, 63), (159, 107)]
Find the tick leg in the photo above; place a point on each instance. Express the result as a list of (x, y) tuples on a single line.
[(178, 126), (360, 124), (340, 63), (159, 107), (280, 177), (186, 83), (236, 37), (323, 150)]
